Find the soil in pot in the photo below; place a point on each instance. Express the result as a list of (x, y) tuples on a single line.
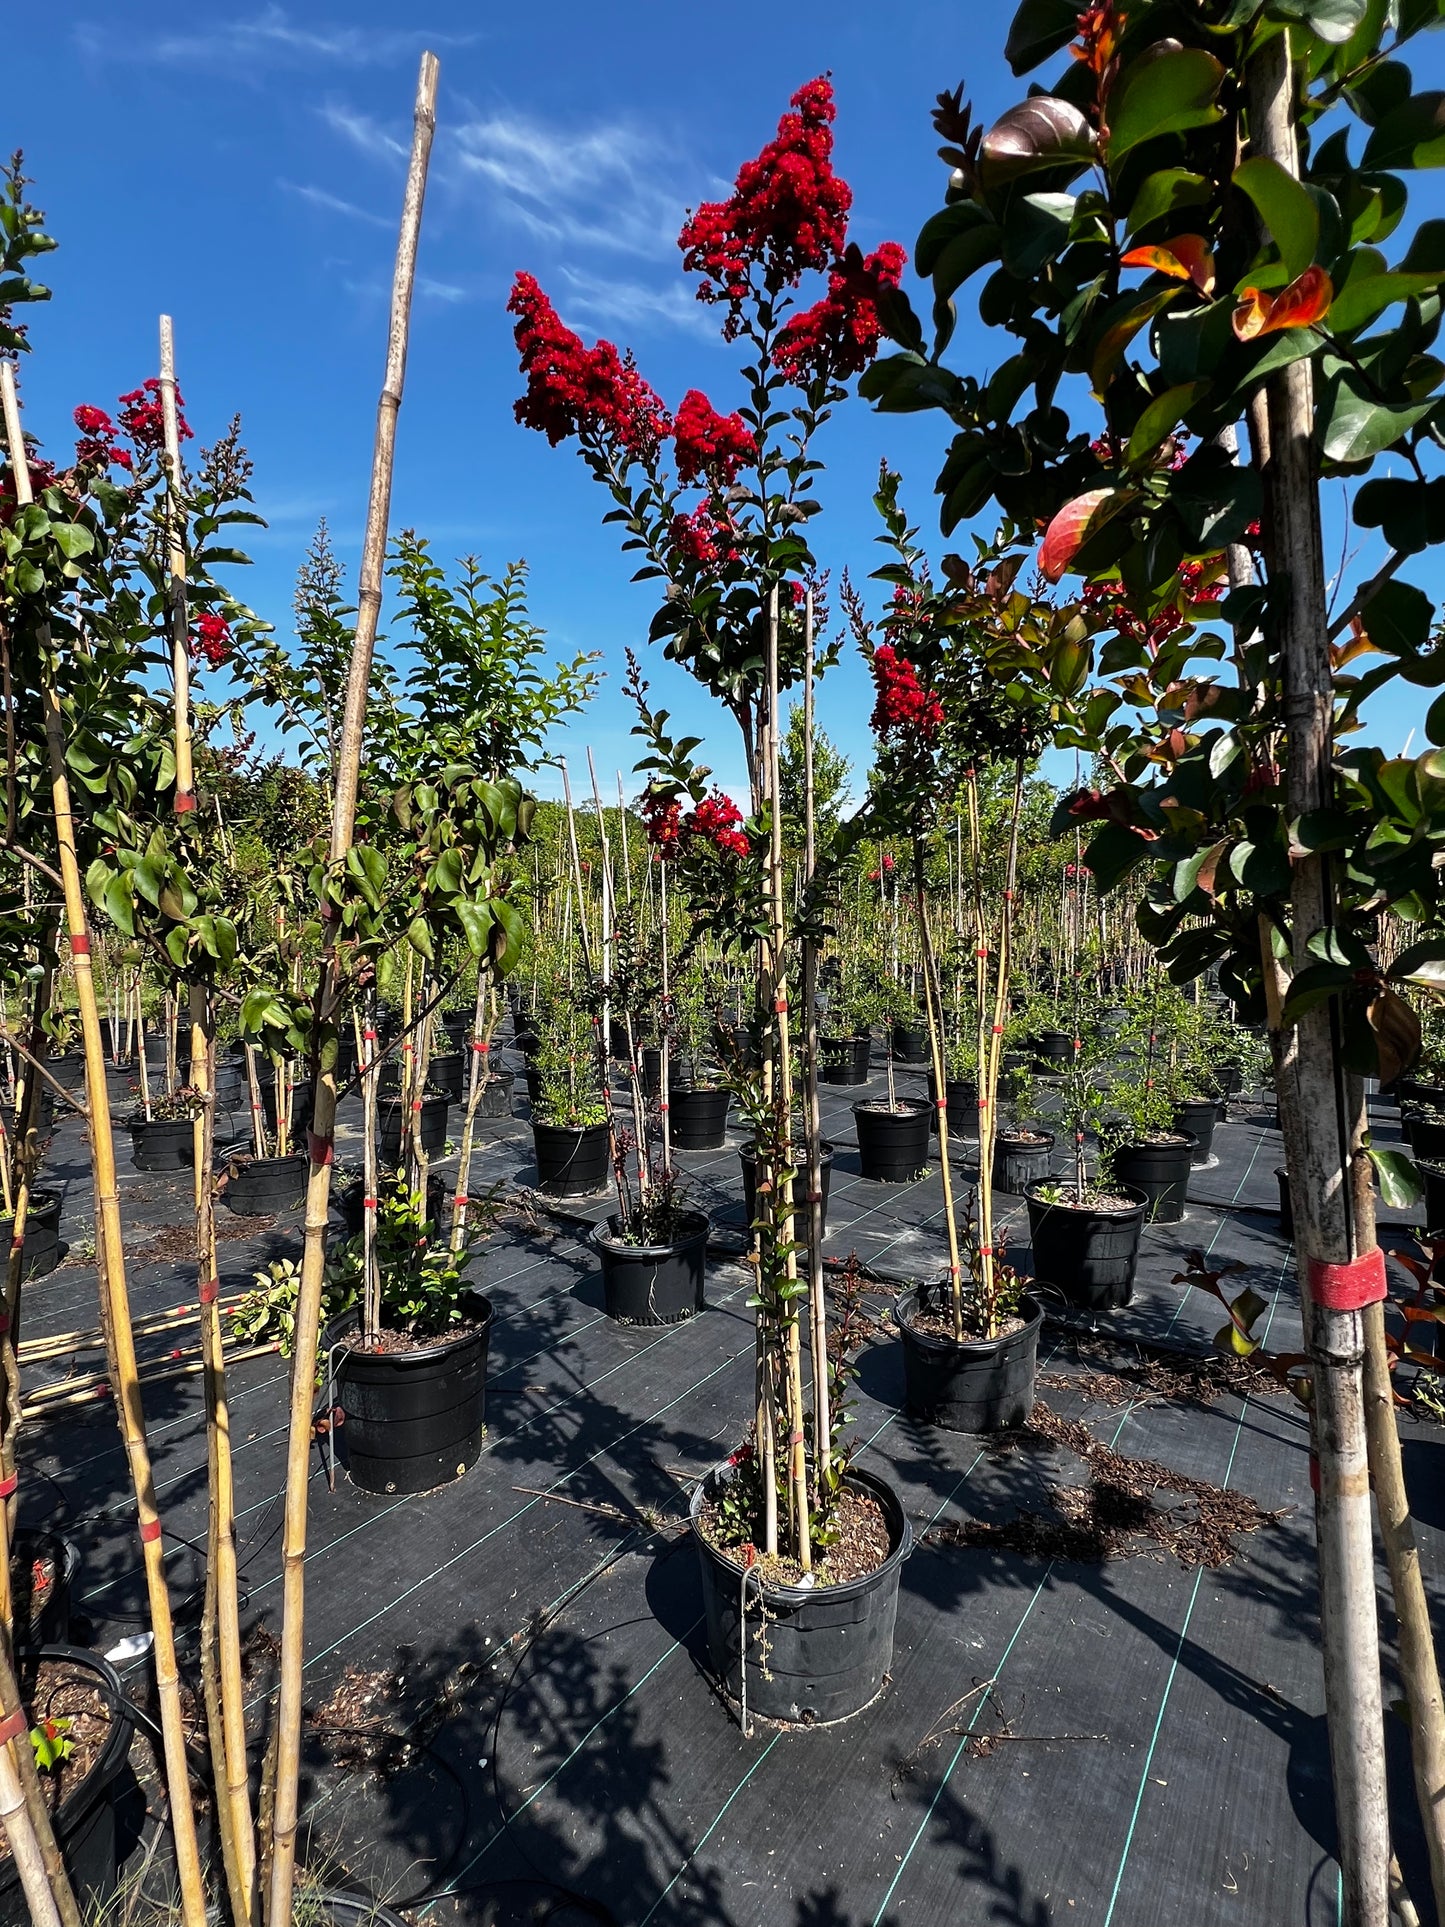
[(572, 1160), (699, 1117), (1021, 1158), (42, 1233), (160, 1144), (893, 1143), (414, 1408), (1159, 1167), (393, 1123), (66, 1683), (974, 1385), (812, 1654), (1197, 1119), (1089, 1251), (748, 1158), (264, 1187), (655, 1284), (844, 1060)]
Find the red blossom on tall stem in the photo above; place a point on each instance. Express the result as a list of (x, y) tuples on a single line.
[(143, 418), (839, 335), (576, 390), (703, 540), (903, 705), (212, 639), (97, 446), (709, 445)]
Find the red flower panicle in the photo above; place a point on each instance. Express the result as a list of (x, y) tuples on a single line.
[(838, 336), (716, 821), (143, 418), (703, 540), (662, 820), (788, 210), (576, 390), (903, 704), (97, 446), (710, 445), (212, 639)]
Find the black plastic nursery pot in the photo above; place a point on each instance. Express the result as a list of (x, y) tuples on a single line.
[(649, 1070), (735, 1045), (812, 1654), (1021, 1158), (893, 1142), (393, 1125), (1197, 1119), (84, 1822), (748, 1158), (42, 1233), (1053, 1048), (301, 1105), (413, 1420), (572, 1159), (43, 1570), (160, 1144), (352, 1203), (1286, 1202), (264, 1187), (496, 1096), (1411, 1092), (1433, 1177), (1090, 1253), (1013, 1067), (1161, 1171), (458, 1026), (1230, 1079), (655, 1284), (961, 1096), (698, 1117), (973, 1385), (910, 1043), (447, 1071), (1426, 1135), (845, 1060)]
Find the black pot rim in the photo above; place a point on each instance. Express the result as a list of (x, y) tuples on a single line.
[(749, 1152), (248, 1161), (139, 1123), (1033, 1141), (605, 1237), (117, 1739), (39, 1201), (706, 1089), (799, 1595), (969, 1347), (1172, 1141), (571, 1130), (905, 1106), (1140, 1204), (419, 1355)]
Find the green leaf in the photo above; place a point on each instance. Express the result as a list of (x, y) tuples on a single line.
[(1286, 209), (1329, 20), (1166, 192), (1042, 131), (1036, 231), (941, 228), (964, 255), (1398, 617), (1400, 1182), (1356, 427), (1359, 302), (1162, 414), (72, 539), (1411, 135), (1162, 93), (1121, 323), (1040, 28)]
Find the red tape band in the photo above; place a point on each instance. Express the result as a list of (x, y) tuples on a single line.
[(1314, 1472), (7, 1486), (370, 1036), (185, 801), (16, 1244), (13, 1725), (150, 1532), (80, 945), (210, 1291), (780, 1004), (481, 1047), (320, 1149), (1348, 1287), (368, 1204), (985, 1251), (460, 1197), (5, 1318)]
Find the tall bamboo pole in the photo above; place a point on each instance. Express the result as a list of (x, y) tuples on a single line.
[(318, 1187), (812, 1110), (1319, 1131), (110, 1254)]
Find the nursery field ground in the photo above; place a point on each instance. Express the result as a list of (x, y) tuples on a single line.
[(509, 1714)]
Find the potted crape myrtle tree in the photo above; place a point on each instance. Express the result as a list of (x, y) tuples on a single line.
[(716, 508), (970, 1341), (1251, 342)]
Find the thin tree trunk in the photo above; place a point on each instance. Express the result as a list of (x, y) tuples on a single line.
[(812, 1110), (318, 1189)]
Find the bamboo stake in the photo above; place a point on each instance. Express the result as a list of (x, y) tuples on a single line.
[(115, 1301), (318, 1189), (812, 1109)]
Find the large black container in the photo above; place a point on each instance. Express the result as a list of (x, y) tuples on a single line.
[(42, 1233), (961, 1096), (845, 1060), (1426, 1134), (1089, 1253), (301, 1105), (1053, 1049), (748, 1158), (735, 1045), (1019, 1160), (85, 1820), (893, 1144), (1197, 1119), (458, 1026), (1286, 1203), (815, 1654), (447, 1072), (1433, 1178), (393, 1125), (910, 1043), (1013, 1067), (980, 1385), (699, 1117), (262, 1187), (163, 1144), (1161, 1172), (496, 1097), (572, 1159), (1412, 1092), (352, 1203), (414, 1419), (42, 1617), (655, 1284)]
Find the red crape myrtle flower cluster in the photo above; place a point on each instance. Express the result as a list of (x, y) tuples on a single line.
[(705, 539), (212, 640), (716, 822), (903, 706), (1200, 583), (710, 446), (97, 446), (576, 390), (143, 418), (839, 335)]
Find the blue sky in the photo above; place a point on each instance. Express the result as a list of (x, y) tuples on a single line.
[(242, 170)]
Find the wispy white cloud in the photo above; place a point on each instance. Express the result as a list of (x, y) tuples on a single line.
[(333, 203), (271, 35), (607, 187), (365, 132), (592, 300)]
